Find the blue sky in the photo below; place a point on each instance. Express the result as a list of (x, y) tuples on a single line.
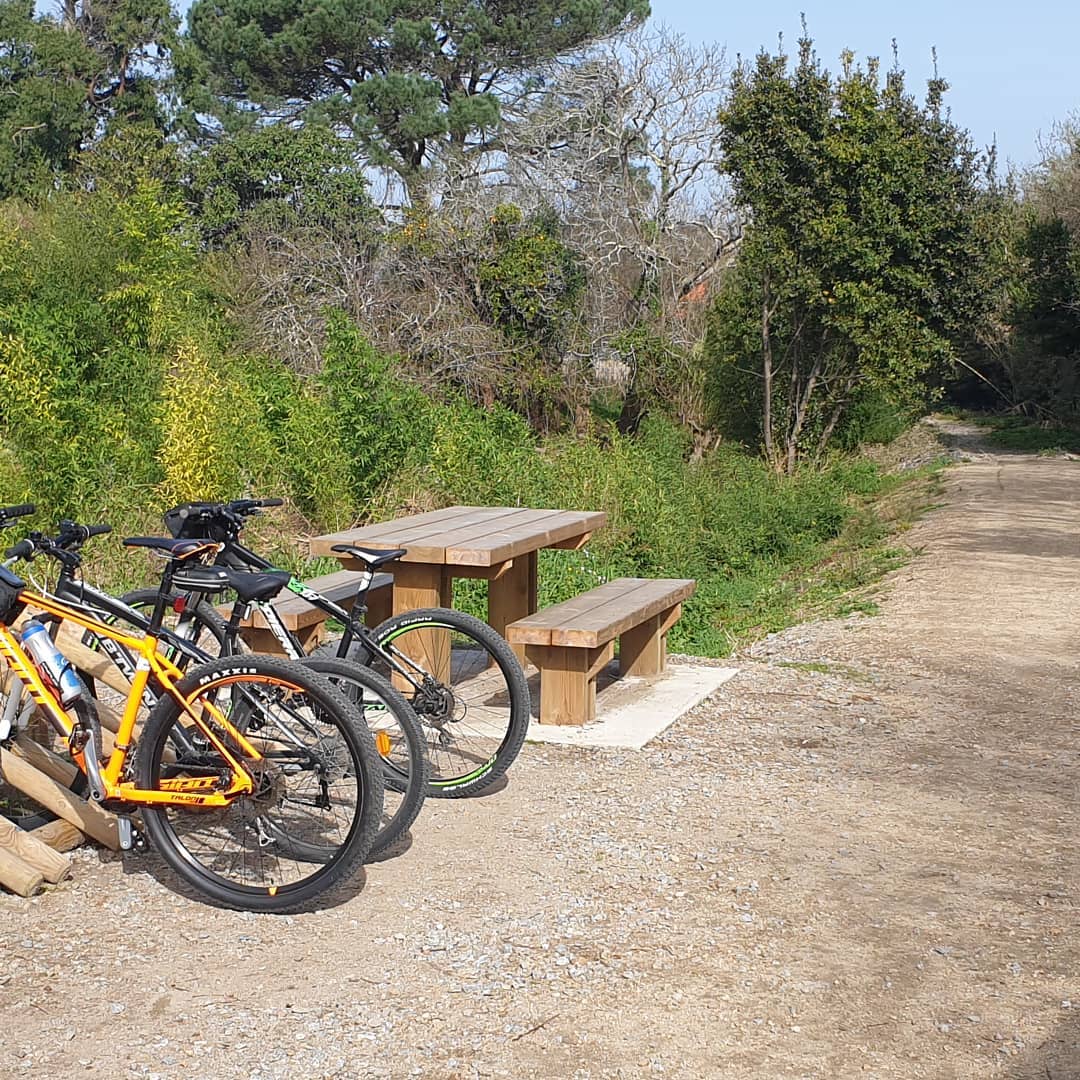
[(1013, 69)]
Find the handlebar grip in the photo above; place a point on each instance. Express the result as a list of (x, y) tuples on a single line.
[(24, 549), (17, 511), (97, 530), (270, 502)]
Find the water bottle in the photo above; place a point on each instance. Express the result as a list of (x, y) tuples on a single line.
[(53, 665)]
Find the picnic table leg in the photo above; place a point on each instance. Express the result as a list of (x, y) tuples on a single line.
[(424, 585), (512, 596)]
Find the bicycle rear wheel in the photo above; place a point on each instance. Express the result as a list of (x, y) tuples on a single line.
[(476, 715), (399, 741), (318, 782)]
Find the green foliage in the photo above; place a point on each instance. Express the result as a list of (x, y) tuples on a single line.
[(529, 280), (864, 262), (62, 84), (277, 178), (1044, 315), (378, 417), (1027, 436), (746, 534), (407, 78), (96, 291), (43, 113), (872, 418)]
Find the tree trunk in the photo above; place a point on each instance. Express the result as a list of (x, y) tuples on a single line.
[(767, 377), (826, 435), (801, 405)]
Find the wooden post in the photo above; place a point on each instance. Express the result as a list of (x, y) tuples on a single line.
[(380, 605), (69, 642), (420, 585), (52, 866), (60, 835), (18, 876), (55, 797), (568, 681), (512, 596), (63, 772)]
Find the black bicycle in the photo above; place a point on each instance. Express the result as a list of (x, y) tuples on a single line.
[(462, 679), (190, 637)]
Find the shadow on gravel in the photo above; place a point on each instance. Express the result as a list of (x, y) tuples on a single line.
[(150, 863), (1058, 1058), (974, 442)]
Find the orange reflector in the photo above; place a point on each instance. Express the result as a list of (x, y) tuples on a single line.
[(179, 604), (382, 743)]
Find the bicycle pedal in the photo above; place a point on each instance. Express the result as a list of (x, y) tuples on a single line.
[(131, 838)]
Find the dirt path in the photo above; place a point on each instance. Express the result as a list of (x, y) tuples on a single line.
[(857, 860)]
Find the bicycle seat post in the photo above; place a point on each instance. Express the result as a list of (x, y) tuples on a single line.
[(157, 616)]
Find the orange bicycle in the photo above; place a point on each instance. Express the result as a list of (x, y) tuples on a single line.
[(243, 767)]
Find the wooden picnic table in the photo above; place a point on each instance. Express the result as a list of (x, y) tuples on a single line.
[(499, 543)]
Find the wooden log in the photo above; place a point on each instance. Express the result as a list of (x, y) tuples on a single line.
[(91, 819), (17, 875), (69, 642), (52, 866), (60, 835), (52, 765)]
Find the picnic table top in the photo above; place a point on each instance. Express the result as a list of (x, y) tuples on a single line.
[(470, 535)]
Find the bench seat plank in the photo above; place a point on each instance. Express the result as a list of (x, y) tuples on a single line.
[(603, 613)]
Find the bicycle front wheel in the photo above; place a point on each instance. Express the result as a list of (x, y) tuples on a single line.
[(317, 783), (467, 688)]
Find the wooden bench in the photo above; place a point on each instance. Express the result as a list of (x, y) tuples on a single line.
[(572, 642), (307, 622)]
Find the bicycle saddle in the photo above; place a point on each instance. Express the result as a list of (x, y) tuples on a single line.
[(178, 549), (374, 559), (248, 585)]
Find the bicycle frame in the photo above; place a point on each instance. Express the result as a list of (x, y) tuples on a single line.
[(234, 554), (193, 791), (97, 603)]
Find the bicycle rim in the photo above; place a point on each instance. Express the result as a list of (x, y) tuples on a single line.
[(475, 716)]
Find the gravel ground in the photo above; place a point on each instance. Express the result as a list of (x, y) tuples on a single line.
[(855, 859)]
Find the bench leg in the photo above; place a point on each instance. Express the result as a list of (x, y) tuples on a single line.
[(379, 607), (643, 650), (512, 596), (568, 681), (420, 585)]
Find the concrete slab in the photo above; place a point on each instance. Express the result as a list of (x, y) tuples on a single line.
[(630, 712)]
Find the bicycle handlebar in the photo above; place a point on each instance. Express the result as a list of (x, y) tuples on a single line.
[(228, 517), (73, 533), (24, 549), (9, 513), (63, 547), (245, 506)]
